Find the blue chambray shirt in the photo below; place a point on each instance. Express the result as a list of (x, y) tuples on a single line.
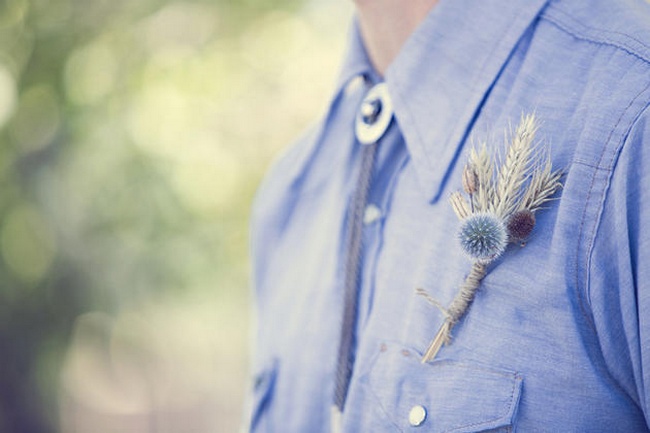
[(558, 337)]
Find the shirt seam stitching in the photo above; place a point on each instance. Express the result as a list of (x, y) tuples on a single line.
[(612, 164), (592, 34), (588, 238), (594, 166)]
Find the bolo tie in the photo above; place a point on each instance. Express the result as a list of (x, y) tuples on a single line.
[(373, 119)]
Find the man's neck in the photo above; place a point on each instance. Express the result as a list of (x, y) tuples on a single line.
[(387, 24)]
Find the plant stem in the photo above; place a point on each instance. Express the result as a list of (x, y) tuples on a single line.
[(457, 309)]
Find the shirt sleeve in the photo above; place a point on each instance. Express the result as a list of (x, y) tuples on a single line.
[(618, 286), (270, 209)]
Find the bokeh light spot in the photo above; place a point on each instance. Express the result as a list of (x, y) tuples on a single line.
[(27, 243), (12, 13), (90, 73), (7, 95), (159, 118), (208, 186), (37, 120), (181, 23), (275, 40)]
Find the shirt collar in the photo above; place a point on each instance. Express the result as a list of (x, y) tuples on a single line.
[(443, 73)]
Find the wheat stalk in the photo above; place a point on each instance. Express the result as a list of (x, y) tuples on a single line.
[(512, 173), (483, 165), (543, 184), (459, 205)]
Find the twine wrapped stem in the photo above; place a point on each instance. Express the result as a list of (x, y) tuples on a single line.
[(456, 309)]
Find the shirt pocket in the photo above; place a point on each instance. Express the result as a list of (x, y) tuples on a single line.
[(263, 385), (442, 396)]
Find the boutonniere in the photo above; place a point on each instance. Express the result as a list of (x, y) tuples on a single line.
[(501, 197)]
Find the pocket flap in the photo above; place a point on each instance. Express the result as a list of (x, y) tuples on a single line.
[(456, 396), (263, 384)]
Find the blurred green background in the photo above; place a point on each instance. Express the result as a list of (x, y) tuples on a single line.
[(133, 134)]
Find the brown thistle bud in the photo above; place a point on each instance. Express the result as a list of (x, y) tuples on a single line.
[(470, 179), (520, 224)]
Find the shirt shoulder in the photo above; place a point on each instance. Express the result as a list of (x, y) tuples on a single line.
[(624, 24), (601, 52)]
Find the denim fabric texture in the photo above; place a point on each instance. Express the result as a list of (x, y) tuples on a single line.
[(558, 337)]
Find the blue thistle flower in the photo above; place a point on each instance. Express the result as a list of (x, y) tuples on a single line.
[(483, 236)]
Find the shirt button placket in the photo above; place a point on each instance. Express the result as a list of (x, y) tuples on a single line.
[(373, 119)]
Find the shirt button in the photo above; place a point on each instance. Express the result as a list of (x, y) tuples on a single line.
[(417, 415), (371, 214)]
